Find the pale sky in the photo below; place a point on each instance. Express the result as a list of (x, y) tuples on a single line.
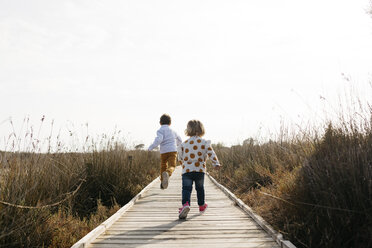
[(238, 66)]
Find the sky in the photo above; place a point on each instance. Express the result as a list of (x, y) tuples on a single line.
[(241, 67)]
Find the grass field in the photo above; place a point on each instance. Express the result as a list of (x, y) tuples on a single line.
[(87, 187), (314, 186), (316, 190)]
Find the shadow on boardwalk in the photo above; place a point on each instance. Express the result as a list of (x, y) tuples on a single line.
[(153, 222), (141, 236)]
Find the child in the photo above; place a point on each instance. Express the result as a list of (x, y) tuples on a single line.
[(192, 155), (168, 140)]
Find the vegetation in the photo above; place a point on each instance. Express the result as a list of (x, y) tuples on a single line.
[(315, 189), (314, 186), (83, 190)]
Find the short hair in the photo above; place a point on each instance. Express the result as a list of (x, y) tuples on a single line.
[(165, 120), (195, 128)]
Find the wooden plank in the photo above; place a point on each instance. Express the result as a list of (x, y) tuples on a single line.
[(170, 218), (233, 209), (87, 239), (183, 232), (260, 221), (209, 219), (176, 228), (162, 213), (174, 216), (153, 222), (195, 241), (180, 224), (214, 245), (238, 220), (124, 236)]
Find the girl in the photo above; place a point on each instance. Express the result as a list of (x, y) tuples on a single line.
[(192, 156)]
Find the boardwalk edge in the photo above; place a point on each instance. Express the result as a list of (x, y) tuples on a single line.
[(260, 221), (92, 235)]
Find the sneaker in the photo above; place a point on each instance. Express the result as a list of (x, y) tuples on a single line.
[(203, 208), (184, 211), (165, 180)]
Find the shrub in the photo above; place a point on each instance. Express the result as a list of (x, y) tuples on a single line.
[(337, 181), (111, 176), (316, 191)]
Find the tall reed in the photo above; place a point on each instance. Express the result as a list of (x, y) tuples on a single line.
[(315, 189), (85, 187)]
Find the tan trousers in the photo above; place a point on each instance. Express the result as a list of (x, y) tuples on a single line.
[(168, 163)]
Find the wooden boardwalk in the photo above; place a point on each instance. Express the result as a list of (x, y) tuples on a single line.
[(151, 220)]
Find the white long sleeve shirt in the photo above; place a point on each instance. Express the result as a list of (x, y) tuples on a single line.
[(168, 140)]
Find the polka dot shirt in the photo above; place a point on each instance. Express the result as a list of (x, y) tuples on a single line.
[(193, 153)]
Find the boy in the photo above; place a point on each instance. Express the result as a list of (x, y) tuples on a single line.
[(168, 140)]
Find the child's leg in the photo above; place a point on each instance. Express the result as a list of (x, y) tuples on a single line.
[(186, 188), (172, 162), (163, 164), (199, 186)]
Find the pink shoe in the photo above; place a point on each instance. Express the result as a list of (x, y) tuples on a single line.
[(184, 211), (203, 208)]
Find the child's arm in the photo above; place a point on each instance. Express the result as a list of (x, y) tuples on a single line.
[(157, 141), (178, 140), (180, 153), (212, 155)]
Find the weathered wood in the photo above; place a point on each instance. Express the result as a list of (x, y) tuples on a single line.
[(152, 221), (176, 241), (181, 236), (212, 244), (87, 239), (258, 219), (194, 227), (183, 232)]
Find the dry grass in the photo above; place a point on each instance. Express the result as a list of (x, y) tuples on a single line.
[(323, 186), (63, 225), (316, 190), (315, 186), (337, 179), (109, 176)]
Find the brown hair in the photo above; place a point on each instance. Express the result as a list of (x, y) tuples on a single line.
[(165, 120), (195, 128)]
